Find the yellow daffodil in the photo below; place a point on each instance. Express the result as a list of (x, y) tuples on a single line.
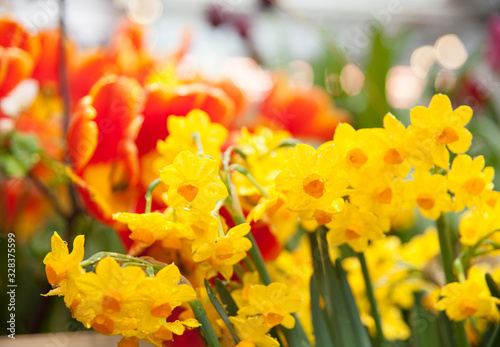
[(312, 183), (393, 147), (468, 179), (436, 129), (429, 193), (354, 227), (274, 302), (227, 250), (59, 261), (159, 296), (63, 268), (149, 227), (181, 129), (421, 248), (193, 182), (463, 300), (252, 332), (109, 294)]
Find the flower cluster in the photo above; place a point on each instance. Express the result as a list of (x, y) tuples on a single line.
[(119, 300)]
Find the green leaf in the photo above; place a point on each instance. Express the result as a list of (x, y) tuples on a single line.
[(424, 331), (494, 290), (25, 148), (322, 333), (11, 166), (226, 298), (360, 332), (332, 294), (220, 310)]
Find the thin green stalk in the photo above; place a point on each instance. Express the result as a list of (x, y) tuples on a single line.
[(371, 298), (149, 194), (257, 185), (254, 252), (447, 257), (206, 327), (197, 139)]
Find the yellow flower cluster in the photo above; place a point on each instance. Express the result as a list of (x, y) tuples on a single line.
[(356, 188), (118, 300)]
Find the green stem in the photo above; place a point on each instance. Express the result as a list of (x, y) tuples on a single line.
[(149, 194), (123, 258), (206, 327), (257, 185), (446, 248), (371, 298), (254, 252), (197, 139), (447, 257)]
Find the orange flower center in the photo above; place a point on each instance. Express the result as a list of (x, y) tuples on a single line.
[(103, 324), (112, 302), (392, 156), (425, 201), (322, 217), (467, 307), (161, 308), (273, 318), (446, 136), (144, 236), (356, 158), (129, 342), (384, 196), (73, 306), (314, 185), (56, 272), (351, 234), (188, 192), (474, 186), (224, 251), (163, 334)]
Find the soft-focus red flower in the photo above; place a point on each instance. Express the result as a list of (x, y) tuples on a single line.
[(493, 43), (19, 52), (305, 111)]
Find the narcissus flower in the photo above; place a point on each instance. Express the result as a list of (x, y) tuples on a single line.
[(468, 179), (181, 129), (429, 193), (158, 297), (313, 183), (109, 294), (149, 227), (227, 250), (59, 261), (193, 182), (274, 302), (354, 227), (463, 300), (443, 127), (252, 332)]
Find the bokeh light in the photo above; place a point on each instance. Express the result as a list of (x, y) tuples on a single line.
[(352, 79), (450, 52), (404, 87)]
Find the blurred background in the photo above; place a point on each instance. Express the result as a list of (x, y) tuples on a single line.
[(371, 57)]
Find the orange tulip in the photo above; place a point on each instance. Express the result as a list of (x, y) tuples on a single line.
[(306, 112), (101, 146), (19, 52)]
